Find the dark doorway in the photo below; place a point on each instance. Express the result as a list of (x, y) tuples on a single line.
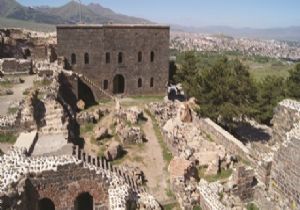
[(46, 204), (84, 202), (119, 84), (86, 94)]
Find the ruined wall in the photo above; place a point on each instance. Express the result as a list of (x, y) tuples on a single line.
[(15, 66), (113, 39), (285, 171), (84, 180), (220, 136), (287, 113)]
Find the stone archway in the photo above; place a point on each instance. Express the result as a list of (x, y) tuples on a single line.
[(84, 201), (46, 204), (86, 94), (118, 84)]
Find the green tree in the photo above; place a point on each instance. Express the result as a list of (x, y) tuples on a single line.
[(271, 90), (187, 72), (225, 92), (293, 83)]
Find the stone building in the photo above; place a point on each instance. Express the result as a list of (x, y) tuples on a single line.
[(121, 59)]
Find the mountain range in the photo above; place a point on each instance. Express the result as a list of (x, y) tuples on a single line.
[(66, 14), (11, 10)]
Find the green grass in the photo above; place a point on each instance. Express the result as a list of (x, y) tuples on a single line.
[(14, 23), (8, 138), (171, 206), (167, 155), (251, 206), (85, 128), (1, 152), (42, 83), (197, 207), (13, 110), (6, 84), (224, 174)]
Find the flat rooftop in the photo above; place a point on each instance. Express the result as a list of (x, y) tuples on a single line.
[(99, 26)]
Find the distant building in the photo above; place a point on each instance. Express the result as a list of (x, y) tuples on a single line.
[(121, 59)]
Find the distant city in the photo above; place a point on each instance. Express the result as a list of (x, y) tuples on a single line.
[(184, 41)]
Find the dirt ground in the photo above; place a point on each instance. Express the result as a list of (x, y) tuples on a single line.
[(148, 156), (18, 90)]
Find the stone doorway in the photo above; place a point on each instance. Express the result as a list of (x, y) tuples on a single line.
[(85, 93), (119, 84), (46, 204), (84, 201)]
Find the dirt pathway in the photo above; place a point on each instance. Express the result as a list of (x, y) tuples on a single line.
[(150, 161)]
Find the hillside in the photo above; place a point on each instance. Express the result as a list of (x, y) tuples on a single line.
[(69, 13), (13, 23)]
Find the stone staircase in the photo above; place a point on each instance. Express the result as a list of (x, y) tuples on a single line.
[(55, 119), (90, 82)]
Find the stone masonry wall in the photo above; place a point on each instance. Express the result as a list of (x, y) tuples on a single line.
[(287, 113), (220, 136), (82, 181), (113, 39)]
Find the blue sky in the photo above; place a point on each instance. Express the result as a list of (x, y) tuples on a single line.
[(236, 13)]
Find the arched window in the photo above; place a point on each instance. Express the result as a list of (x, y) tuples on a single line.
[(151, 82), (86, 58), (140, 57), (46, 204), (107, 57), (105, 84), (120, 57), (140, 83), (152, 56), (84, 201), (73, 59)]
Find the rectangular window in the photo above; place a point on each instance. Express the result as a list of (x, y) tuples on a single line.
[(107, 57), (105, 84)]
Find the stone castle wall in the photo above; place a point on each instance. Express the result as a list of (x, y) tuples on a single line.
[(113, 39), (287, 113), (285, 171)]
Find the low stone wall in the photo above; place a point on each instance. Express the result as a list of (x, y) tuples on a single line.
[(15, 66), (220, 136)]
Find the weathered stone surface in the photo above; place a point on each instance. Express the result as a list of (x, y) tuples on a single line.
[(243, 182), (114, 151)]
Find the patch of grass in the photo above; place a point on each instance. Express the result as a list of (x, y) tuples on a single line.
[(1, 152), (6, 84), (167, 155), (85, 128), (8, 138), (208, 137), (197, 207), (224, 174), (26, 91), (171, 206), (242, 160), (12, 110), (170, 193), (104, 101), (251, 206), (42, 83), (149, 97)]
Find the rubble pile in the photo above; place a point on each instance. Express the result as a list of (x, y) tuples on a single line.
[(163, 111), (91, 115), (127, 125)]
